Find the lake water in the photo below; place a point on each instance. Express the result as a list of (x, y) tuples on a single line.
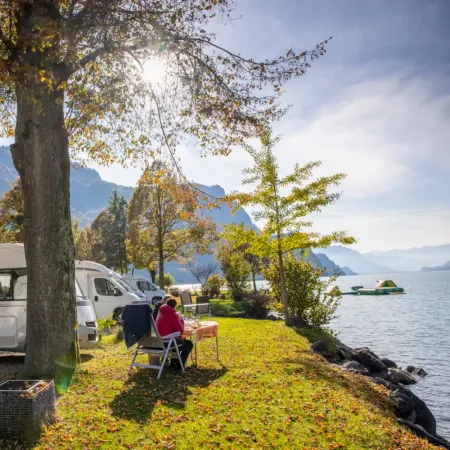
[(413, 328)]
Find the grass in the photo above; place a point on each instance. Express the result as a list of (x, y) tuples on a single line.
[(269, 391)]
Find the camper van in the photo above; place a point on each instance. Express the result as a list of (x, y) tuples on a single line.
[(108, 292), (13, 303), (152, 293)]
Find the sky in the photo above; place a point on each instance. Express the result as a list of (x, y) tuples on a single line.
[(376, 106)]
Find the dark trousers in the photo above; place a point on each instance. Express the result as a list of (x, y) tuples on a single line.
[(185, 350)]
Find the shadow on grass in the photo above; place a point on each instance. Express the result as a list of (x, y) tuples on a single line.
[(315, 368), (142, 391), (313, 334)]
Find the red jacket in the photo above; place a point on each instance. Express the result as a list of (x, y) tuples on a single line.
[(169, 321)]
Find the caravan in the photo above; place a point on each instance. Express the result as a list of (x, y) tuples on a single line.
[(13, 303), (153, 293), (106, 289)]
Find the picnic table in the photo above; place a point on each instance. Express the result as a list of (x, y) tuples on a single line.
[(198, 331)]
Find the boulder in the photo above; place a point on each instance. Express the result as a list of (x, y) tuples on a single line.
[(369, 359), (320, 346), (399, 376), (434, 439), (356, 367), (296, 321), (410, 369), (389, 363), (416, 371), (412, 408), (344, 353)]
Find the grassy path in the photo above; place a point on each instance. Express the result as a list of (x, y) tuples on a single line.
[(271, 392)]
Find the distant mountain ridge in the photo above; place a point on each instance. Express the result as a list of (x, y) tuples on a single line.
[(445, 266)]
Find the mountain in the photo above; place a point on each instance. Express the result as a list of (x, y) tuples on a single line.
[(331, 266), (344, 256), (412, 259), (445, 266)]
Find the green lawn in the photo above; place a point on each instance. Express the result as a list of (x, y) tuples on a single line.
[(269, 392)]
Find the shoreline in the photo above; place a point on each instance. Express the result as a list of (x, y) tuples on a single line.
[(410, 410)]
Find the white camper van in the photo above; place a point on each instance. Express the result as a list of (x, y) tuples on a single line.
[(105, 288), (13, 303), (143, 284)]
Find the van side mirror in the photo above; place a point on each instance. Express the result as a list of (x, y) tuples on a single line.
[(117, 292)]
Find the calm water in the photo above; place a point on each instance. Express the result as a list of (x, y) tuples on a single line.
[(410, 329)]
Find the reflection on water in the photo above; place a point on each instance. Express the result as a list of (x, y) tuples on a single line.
[(410, 329)]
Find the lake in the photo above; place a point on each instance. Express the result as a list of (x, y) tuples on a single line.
[(413, 328)]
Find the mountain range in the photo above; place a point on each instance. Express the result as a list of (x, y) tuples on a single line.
[(445, 266)]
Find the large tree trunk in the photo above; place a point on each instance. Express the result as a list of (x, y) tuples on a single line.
[(41, 157), (161, 270)]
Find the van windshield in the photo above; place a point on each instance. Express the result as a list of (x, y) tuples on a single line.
[(13, 284), (124, 284), (78, 292)]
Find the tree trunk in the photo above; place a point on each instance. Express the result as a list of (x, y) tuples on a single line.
[(254, 280), (283, 287), (161, 271), (41, 156)]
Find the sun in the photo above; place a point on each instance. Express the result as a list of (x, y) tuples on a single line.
[(154, 71)]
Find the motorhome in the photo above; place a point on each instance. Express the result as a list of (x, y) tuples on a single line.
[(13, 303), (143, 284), (108, 292)]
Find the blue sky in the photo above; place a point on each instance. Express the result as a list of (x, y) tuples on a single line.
[(376, 107)]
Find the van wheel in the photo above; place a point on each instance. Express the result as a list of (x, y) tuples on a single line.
[(117, 313)]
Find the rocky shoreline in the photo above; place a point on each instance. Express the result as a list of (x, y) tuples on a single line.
[(410, 410)]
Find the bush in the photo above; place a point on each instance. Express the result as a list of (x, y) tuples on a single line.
[(169, 280), (305, 290), (107, 322), (236, 271), (260, 304), (174, 291), (214, 285)]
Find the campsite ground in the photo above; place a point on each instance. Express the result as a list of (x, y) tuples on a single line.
[(268, 391)]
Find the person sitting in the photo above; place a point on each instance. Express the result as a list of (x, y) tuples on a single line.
[(170, 321)]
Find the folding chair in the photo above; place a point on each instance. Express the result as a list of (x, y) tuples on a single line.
[(203, 307), (186, 301), (158, 348)]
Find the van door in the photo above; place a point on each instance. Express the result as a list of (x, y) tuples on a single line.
[(105, 300), (13, 310)]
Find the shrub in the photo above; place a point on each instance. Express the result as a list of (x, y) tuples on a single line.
[(107, 322), (260, 304), (305, 290), (174, 291), (169, 280), (214, 285), (236, 271)]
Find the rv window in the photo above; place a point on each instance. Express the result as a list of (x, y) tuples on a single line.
[(104, 286), (13, 284), (145, 286)]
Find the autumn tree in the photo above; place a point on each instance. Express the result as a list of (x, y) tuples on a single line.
[(165, 220), (282, 203), (71, 73), (114, 240), (11, 214), (82, 241)]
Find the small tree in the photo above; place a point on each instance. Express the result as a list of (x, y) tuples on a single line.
[(11, 214), (201, 272), (165, 221), (115, 248), (82, 242), (167, 280), (214, 285), (305, 290), (283, 209)]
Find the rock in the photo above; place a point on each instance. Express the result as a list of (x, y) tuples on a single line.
[(296, 321), (384, 383), (434, 439), (399, 376), (420, 372), (368, 359), (410, 406), (356, 367), (410, 369), (320, 346), (389, 363), (344, 353)]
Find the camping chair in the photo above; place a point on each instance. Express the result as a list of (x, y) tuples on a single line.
[(203, 307), (186, 301), (158, 348)]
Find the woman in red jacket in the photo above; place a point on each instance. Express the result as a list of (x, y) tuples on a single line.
[(170, 321)]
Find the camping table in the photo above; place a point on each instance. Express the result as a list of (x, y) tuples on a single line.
[(198, 331)]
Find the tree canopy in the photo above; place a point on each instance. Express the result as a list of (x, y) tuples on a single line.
[(11, 214)]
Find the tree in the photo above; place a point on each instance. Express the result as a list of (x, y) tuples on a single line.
[(165, 223), (201, 272), (82, 241), (282, 203), (114, 240), (11, 214), (71, 72), (167, 280)]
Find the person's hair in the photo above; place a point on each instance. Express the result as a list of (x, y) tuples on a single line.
[(171, 302), (165, 298)]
